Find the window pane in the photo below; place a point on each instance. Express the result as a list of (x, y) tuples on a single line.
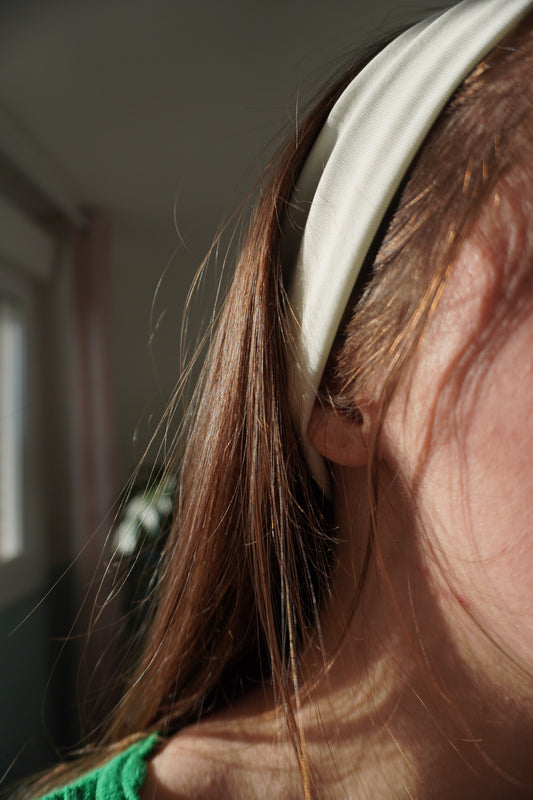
[(11, 427)]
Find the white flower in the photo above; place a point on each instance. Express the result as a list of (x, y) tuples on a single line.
[(149, 519), (126, 537), (164, 504), (144, 515)]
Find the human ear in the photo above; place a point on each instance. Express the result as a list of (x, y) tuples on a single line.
[(337, 437)]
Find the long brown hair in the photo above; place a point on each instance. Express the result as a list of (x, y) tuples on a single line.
[(251, 551)]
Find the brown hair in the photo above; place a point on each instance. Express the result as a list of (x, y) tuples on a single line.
[(251, 551)]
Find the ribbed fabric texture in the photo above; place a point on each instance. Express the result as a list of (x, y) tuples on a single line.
[(118, 779)]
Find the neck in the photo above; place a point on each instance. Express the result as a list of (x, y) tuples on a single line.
[(393, 704), (414, 695)]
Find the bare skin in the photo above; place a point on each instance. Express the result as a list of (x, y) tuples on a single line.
[(429, 691)]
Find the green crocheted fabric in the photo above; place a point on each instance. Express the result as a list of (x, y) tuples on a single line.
[(118, 779)]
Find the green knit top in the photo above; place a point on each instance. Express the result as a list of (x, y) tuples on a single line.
[(121, 778)]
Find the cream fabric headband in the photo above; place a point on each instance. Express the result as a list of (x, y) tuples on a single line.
[(356, 166)]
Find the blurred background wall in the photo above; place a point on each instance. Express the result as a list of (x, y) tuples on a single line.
[(129, 131)]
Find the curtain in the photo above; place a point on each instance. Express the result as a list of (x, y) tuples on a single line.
[(94, 459)]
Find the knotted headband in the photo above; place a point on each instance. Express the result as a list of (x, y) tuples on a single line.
[(356, 166)]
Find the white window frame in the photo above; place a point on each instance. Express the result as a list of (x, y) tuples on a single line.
[(26, 259)]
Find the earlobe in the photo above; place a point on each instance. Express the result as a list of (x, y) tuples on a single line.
[(338, 438)]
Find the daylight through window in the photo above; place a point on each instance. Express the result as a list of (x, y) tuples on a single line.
[(11, 427)]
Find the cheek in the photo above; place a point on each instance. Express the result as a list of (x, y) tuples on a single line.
[(460, 432), (475, 495)]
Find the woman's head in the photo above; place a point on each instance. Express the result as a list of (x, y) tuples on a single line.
[(428, 351), (358, 163), (252, 552)]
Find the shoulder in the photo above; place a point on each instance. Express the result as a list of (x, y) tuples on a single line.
[(241, 754), (189, 766)]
